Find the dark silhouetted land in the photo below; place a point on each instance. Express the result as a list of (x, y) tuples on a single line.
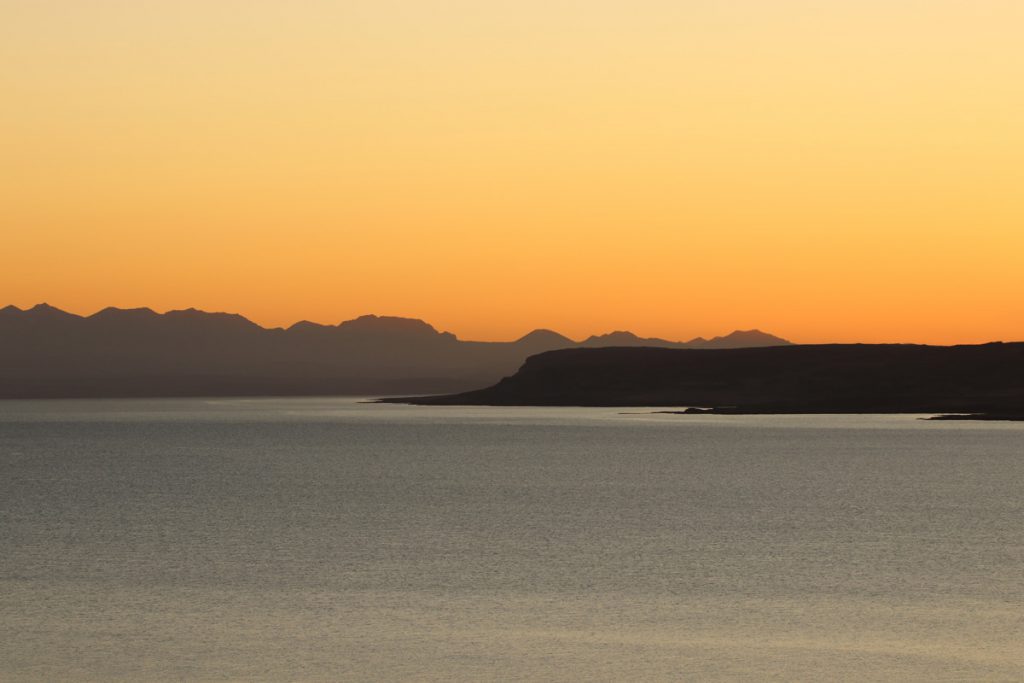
[(983, 380), (46, 352)]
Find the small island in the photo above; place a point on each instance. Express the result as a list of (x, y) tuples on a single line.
[(995, 417)]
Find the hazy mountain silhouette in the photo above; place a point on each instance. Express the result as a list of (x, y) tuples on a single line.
[(740, 339), (735, 340), (834, 378), (47, 352), (544, 338)]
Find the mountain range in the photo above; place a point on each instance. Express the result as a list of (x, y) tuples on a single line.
[(47, 352)]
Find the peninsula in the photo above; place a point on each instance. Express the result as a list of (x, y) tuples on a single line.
[(978, 380)]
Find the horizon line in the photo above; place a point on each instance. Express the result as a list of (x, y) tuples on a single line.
[(619, 331), (531, 331)]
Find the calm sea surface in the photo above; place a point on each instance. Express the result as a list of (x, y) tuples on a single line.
[(325, 539)]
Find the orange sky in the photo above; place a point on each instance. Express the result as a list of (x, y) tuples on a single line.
[(827, 171)]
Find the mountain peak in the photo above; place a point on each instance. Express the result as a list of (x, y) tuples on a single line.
[(618, 336), (625, 338), (745, 338), (46, 311), (196, 314), (545, 336), (386, 324), (305, 325), (111, 312)]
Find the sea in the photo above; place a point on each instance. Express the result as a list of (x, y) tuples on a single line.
[(334, 539)]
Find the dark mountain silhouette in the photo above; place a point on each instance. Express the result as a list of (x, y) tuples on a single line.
[(46, 352), (740, 339), (545, 338), (838, 378), (735, 340)]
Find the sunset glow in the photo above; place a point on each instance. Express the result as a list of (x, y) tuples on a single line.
[(825, 171)]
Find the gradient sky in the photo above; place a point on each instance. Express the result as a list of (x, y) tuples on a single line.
[(830, 170)]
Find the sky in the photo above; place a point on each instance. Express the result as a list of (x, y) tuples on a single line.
[(829, 170)]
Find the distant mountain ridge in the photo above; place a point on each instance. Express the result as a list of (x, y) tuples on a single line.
[(735, 340), (47, 352)]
